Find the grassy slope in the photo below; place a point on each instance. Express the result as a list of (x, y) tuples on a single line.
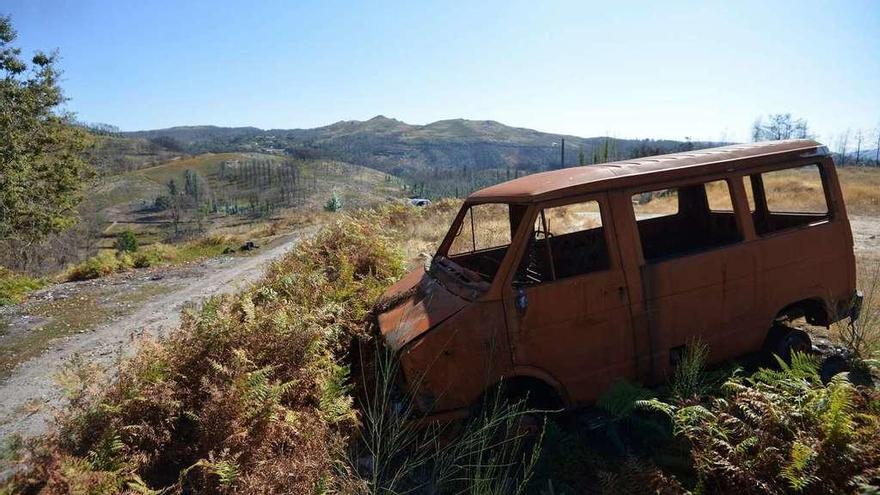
[(122, 201), (118, 154)]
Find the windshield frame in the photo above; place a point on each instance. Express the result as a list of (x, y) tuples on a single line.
[(517, 214)]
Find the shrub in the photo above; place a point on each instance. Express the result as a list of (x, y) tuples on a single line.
[(102, 264), (249, 395), (163, 202), (782, 431), (126, 242), (154, 255), (333, 204), (689, 380), (490, 454), (15, 286), (862, 338)]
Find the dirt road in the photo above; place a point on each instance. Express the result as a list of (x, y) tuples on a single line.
[(29, 392)]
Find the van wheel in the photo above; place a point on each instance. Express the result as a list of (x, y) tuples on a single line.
[(831, 367), (790, 341), (536, 401)]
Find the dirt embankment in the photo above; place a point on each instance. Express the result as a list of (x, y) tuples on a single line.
[(97, 320)]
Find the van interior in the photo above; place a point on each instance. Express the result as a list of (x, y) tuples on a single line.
[(671, 222)]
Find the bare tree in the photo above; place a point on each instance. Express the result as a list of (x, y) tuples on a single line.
[(859, 138), (779, 126), (877, 151), (842, 145)]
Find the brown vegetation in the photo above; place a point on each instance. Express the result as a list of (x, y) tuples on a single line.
[(251, 394)]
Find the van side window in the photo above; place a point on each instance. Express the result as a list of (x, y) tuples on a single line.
[(567, 241), (787, 198), (680, 221), (718, 195)]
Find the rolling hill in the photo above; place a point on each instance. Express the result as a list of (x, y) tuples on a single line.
[(408, 150)]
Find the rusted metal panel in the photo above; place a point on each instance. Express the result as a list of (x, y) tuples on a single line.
[(457, 334), (631, 173)]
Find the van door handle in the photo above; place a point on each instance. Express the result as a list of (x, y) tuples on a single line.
[(621, 293)]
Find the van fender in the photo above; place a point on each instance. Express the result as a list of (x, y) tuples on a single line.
[(538, 374), (814, 307)]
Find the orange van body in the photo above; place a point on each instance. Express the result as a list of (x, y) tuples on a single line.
[(564, 308)]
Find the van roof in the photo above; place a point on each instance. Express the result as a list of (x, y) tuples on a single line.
[(589, 178)]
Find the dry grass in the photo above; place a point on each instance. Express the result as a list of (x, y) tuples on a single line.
[(861, 190), (419, 231), (573, 218), (248, 396), (15, 286), (484, 226), (788, 190), (108, 262), (863, 338)]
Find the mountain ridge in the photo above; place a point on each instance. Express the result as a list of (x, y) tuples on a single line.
[(400, 148)]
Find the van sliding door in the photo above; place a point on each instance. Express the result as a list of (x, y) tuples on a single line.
[(696, 275)]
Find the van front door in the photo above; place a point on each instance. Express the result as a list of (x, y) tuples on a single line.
[(567, 304)]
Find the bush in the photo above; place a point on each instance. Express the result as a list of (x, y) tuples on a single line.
[(102, 264), (162, 203), (782, 431), (249, 395), (126, 242), (333, 204), (154, 255), (15, 286)]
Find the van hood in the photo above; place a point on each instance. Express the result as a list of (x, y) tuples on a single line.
[(413, 306)]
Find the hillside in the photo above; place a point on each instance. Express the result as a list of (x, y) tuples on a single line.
[(226, 190), (111, 154), (409, 150)]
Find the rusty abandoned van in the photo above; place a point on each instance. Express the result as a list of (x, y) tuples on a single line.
[(562, 282)]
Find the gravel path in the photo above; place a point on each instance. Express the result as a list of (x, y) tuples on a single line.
[(29, 394)]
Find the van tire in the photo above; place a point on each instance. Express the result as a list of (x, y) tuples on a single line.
[(790, 340), (537, 398)]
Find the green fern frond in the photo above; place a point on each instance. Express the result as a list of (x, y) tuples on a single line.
[(798, 470)]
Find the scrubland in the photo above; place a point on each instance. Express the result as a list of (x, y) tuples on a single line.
[(253, 394)]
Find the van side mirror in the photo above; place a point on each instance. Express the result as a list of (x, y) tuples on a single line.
[(521, 302)]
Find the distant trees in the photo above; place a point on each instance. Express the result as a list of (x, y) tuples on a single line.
[(779, 126), (99, 128), (647, 147), (168, 143), (843, 147), (253, 187), (41, 166), (606, 151), (855, 148)]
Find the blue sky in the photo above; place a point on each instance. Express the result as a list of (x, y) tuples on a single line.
[(629, 69)]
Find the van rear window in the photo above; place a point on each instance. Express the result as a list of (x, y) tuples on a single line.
[(788, 198)]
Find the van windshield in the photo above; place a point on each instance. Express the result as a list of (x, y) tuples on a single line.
[(481, 237)]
